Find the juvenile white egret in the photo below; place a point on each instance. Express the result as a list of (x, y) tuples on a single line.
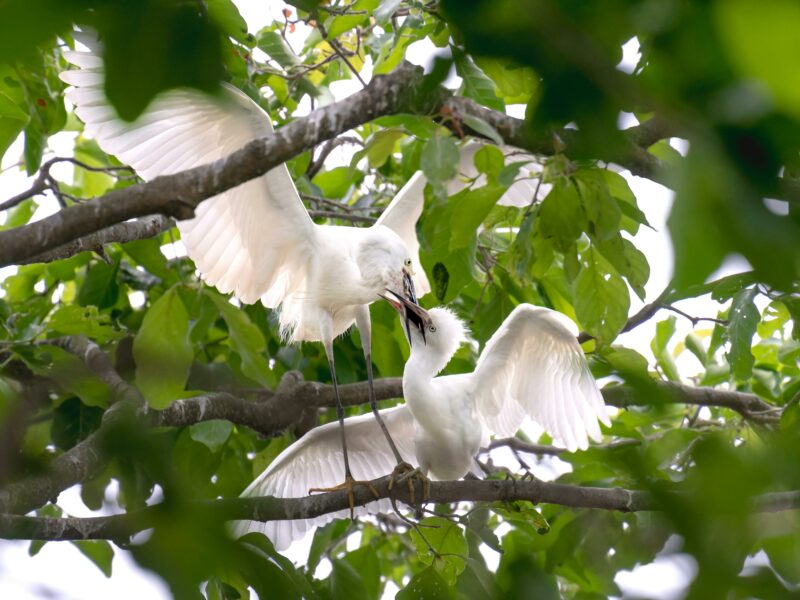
[(532, 367), (257, 240)]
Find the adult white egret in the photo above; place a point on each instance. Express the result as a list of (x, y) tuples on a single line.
[(531, 368), (257, 241)]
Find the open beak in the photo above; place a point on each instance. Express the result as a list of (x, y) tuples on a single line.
[(410, 312)]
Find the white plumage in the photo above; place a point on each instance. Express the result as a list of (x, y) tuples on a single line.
[(531, 368), (315, 460), (256, 241)]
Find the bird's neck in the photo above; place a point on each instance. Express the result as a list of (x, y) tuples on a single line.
[(423, 364)]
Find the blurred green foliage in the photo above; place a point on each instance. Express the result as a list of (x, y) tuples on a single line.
[(721, 73)]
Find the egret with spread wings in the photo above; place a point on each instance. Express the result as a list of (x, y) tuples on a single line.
[(257, 240), (531, 368)]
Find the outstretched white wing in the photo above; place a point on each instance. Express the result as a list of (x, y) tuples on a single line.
[(254, 240), (401, 216), (533, 366), (315, 460)]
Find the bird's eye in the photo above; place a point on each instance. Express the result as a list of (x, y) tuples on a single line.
[(407, 262), (432, 329)]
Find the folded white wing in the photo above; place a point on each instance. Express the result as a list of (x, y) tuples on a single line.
[(254, 240), (315, 460), (401, 216), (534, 367)]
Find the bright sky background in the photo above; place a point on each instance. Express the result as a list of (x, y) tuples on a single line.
[(60, 571)]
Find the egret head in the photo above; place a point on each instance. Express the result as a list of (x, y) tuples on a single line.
[(439, 331), (385, 263)]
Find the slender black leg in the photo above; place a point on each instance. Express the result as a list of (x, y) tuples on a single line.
[(373, 404), (340, 415), (349, 483)]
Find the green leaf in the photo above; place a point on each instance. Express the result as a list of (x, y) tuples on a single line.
[(336, 182), (601, 297), (427, 584), (364, 561), (476, 84), (71, 319), (450, 548), (619, 189), (381, 145), (227, 16), (274, 46), (20, 214), (99, 552), (391, 54), (561, 216), (762, 43), (247, 340), (323, 538), (449, 237), (440, 158), (743, 321), (489, 160), (694, 344), (628, 261), (71, 374), (784, 556), (162, 351), (12, 121), (147, 253), (346, 583), (73, 422), (627, 362), (514, 84), (339, 24), (664, 331), (384, 12), (603, 212), (212, 434), (482, 127), (100, 287), (721, 289)]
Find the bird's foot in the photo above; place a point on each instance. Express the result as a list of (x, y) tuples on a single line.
[(405, 473), (348, 484)]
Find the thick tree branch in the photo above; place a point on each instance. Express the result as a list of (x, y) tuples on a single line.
[(139, 229), (749, 406), (286, 406), (179, 194), (121, 527)]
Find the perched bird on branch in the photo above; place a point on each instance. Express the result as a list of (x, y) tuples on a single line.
[(531, 368)]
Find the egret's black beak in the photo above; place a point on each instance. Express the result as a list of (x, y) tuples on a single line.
[(408, 288), (410, 313)]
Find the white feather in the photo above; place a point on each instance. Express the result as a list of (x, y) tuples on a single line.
[(315, 460), (534, 362)]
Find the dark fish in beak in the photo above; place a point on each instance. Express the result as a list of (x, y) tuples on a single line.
[(410, 312), (408, 288)]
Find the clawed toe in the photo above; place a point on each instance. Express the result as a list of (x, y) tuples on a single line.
[(404, 472), (348, 484)]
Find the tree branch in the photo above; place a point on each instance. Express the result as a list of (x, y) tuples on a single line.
[(179, 194), (270, 417), (120, 233), (121, 527)]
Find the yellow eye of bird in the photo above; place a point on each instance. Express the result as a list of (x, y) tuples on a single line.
[(408, 262), (432, 329)]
